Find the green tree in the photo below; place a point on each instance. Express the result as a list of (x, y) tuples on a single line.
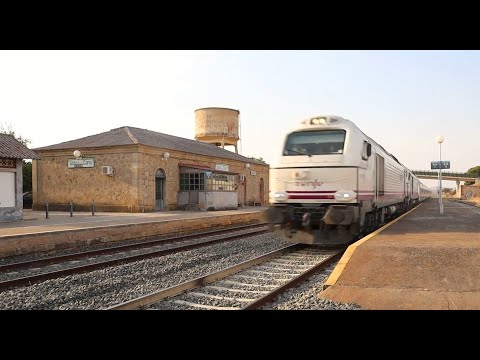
[(260, 159), (27, 176), (474, 171), (7, 129), (26, 165)]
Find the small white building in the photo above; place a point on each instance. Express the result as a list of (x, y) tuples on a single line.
[(12, 152)]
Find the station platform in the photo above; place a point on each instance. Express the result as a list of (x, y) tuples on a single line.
[(37, 233), (424, 260)]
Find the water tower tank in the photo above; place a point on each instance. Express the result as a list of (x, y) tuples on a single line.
[(218, 126)]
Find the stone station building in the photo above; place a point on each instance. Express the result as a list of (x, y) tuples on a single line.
[(129, 169)]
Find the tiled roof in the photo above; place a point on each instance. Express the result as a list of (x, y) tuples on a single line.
[(13, 149), (128, 135)]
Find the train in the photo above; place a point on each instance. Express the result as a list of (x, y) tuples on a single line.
[(333, 184)]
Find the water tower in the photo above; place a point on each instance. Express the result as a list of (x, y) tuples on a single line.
[(218, 126)]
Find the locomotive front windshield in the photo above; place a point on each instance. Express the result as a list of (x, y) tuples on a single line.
[(321, 142)]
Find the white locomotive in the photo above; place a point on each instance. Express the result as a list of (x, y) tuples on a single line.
[(333, 183)]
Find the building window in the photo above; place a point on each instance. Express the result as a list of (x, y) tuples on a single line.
[(203, 180), (192, 181), (221, 182)]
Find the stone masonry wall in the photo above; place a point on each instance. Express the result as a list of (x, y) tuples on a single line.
[(470, 191), (58, 184)]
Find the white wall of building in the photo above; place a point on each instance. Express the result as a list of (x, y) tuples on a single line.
[(7, 189)]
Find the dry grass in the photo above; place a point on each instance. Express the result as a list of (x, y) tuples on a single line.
[(476, 200)]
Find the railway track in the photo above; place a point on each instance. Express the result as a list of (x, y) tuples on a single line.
[(81, 262), (247, 285)]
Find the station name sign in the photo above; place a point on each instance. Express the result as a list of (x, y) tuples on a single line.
[(221, 167), (436, 165), (81, 163)]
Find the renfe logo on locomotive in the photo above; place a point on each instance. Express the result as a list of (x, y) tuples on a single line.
[(314, 183)]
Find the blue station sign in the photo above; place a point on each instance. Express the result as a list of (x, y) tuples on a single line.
[(435, 165)]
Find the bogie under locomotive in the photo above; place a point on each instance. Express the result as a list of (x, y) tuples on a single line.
[(333, 184)]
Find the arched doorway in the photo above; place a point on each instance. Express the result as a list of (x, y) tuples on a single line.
[(160, 190), (262, 191), (242, 190)]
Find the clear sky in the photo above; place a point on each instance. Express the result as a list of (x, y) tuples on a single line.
[(401, 99)]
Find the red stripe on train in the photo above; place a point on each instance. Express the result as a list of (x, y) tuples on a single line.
[(334, 191), (311, 192), (315, 197)]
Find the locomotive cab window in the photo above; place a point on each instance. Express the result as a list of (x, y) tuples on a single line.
[(323, 142)]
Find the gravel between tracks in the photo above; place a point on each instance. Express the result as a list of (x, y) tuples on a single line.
[(305, 296), (43, 254), (106, 287), (97, 258)]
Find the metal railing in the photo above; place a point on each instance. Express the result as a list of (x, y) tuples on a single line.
[(447, 173)]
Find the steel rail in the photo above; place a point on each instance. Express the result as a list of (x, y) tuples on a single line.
[(154, 297), (28, 280), (294, 282), (113, 249)]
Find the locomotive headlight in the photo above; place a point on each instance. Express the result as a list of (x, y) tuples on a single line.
[(280, 196), (345, 195), (318, 121)]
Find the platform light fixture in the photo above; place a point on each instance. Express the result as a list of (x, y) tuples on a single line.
[(77, 154), (247, 166), (166, 155)]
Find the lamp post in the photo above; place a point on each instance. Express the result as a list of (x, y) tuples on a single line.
[(78, 155), (440, 140)]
